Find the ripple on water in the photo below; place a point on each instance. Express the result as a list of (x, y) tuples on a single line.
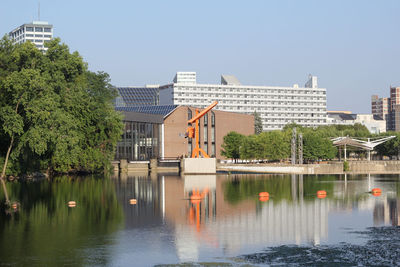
[(381, 249)]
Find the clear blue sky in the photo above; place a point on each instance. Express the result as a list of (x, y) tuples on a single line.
[(352, 46)]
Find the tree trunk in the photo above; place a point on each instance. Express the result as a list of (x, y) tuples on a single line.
[(3, 173)]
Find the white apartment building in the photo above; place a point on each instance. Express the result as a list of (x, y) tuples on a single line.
[(276, 105), (37, 32)]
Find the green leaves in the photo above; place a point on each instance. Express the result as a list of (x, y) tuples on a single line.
[(60, 114), (231, 145), (11, 121)]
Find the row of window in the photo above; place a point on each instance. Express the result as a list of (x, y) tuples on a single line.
[(265, 109), (281, 125), (38, 29), (38, 35), (298, 121), (253, 103), (235, 98), (253, 91)]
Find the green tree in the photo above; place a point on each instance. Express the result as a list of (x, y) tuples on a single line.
[(55, 114), (231, 146), (276, 145), (316, 147), (252, 148), (258, 127), (390, 147)]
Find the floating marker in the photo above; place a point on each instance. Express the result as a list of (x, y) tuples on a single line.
[(263, 199), (14, 205), (321, 194), (263, 194), (71, 204), (132, 201), (376, 192)]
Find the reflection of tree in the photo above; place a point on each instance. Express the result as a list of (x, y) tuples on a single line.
[(278, 186), (49, 232), (313, 183), (247, 187)]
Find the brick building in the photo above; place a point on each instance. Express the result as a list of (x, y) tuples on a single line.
[(159, 131)]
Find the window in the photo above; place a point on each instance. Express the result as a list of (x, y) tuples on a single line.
[(29, 35), (29, 29), (38, 35), (47, 29), (38, 29)]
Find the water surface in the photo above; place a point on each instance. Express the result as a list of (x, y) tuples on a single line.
[(207, 218)]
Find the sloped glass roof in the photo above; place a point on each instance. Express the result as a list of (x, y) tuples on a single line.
[(137, 96), (161, 110)]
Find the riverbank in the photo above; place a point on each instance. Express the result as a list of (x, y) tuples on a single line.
[(332, 167), (355, 167)]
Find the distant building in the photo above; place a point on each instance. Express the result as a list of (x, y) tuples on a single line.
[(37, 32), (340, 118), (394, 118), (375, 124), (388, 108), (380, 106), (276, 105)]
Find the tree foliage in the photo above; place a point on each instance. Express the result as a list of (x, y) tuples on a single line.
[(55, 114), (317, 144), (231, 145)]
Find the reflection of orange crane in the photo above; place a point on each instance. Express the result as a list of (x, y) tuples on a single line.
[(194, 132), (195, 199)]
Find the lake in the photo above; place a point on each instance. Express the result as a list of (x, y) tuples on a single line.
[(207, 219)]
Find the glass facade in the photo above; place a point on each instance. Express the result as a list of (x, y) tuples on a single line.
[(137, 96), (140, 141), (189, 139), (205, 138), (213, 135)]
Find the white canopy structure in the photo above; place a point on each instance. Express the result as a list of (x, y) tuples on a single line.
[(366, 145)]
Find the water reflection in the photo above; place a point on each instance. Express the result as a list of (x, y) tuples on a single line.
[(188, 218), (46, 231)]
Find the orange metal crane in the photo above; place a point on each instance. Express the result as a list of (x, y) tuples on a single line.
[(194, 132)]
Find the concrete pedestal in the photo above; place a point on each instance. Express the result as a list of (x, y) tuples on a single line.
[(199, 165)]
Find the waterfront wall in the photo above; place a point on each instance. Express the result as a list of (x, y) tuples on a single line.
[(326, 168), (196, 167)]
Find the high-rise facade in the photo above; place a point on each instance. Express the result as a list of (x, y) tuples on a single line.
[(395, 109), (276, 105), (388, 108), (37, 32), (380, 106)]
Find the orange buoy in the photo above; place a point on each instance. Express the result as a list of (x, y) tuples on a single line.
[(321, 194), (263, 199), (263, 194), (71, 204), (132, 201), (14, 205), (376, 192)]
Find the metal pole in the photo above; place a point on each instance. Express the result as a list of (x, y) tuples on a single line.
[(294, 146), (345, 156)]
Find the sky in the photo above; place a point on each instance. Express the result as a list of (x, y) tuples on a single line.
[(353, 47)]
